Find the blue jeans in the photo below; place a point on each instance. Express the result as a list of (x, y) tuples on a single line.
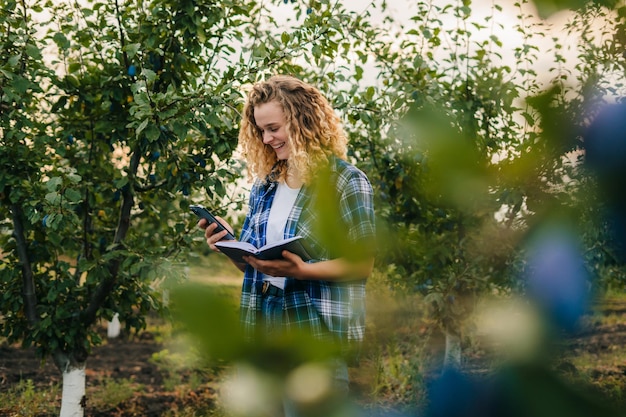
[(272, 316)]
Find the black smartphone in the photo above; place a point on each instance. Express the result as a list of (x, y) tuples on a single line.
[(204, 213)]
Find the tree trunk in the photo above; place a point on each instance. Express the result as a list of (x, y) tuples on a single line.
[(452, 356), (73, 399)]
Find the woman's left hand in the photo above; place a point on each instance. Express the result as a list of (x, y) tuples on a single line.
[(290, 266)]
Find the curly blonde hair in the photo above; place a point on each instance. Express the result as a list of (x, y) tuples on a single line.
[(314, 129)]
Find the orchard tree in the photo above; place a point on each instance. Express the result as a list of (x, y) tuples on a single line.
[(98, 186), (115, 116), (469, 146), (445, 108)]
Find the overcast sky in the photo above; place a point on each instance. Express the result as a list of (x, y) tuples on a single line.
[(403, 10), (502, 25)]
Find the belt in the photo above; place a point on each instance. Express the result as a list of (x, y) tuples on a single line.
[(271, 290)]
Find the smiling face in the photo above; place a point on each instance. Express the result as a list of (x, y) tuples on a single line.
[(271, 122)]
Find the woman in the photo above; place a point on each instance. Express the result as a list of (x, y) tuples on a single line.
[(295, 149)]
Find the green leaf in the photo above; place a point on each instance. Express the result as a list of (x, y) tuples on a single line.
[(52, 222), (142, 126), (74, 178), (120, 183), (73, 195), (132, 49), (33, 52), (54, 183), (53, 198), (152, 132), (6, 74), (20, 84), (59, 104), (149, 74), (73, 81), (14, 60), (61, 40), (74, 67)]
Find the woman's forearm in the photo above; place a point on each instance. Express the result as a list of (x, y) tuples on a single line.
[(340, 269)]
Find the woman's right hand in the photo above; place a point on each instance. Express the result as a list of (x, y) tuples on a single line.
[(209, 232)]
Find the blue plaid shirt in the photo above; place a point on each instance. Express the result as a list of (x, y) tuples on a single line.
[(333, 311)]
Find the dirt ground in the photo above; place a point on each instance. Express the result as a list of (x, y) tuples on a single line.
[(128, 358)]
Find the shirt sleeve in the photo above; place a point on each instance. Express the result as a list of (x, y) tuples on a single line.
[(357, 207)]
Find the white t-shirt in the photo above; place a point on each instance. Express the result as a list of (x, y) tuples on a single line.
[(284, 201)]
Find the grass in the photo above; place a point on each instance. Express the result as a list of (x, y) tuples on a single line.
[(23, 399), (186, 375), (179, 367), (393, 359), (111, 392), (600, 363), (396, 348), (215, 269), (401, 349)]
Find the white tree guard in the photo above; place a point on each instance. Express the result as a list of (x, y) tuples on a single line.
[(73, 392), (113, 327), (452, 357)]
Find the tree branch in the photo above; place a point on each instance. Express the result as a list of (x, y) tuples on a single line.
[(122, 39), (106, 285), (28, 279)]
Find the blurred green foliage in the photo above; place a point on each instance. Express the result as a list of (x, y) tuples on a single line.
[(469, 147), (116, 115)]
